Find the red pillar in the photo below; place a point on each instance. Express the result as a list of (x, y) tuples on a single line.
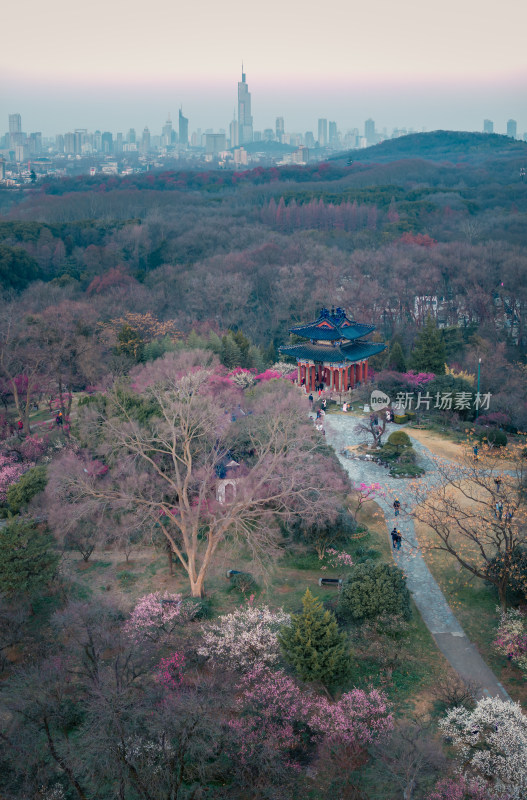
[(312, 378), (337, 376), (346, 383)]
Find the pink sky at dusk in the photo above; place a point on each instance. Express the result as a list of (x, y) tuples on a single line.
[(407, 63)]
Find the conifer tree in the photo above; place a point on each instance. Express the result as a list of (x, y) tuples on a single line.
[(396, 359), (428, 354), (314, 646), (27, 560), (230, 355)]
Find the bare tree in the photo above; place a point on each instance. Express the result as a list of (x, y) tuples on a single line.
[(477, 513), (165, 470), (374, 425)]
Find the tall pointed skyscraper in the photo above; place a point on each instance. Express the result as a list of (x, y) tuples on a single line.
[(183, 129), (245, 120)]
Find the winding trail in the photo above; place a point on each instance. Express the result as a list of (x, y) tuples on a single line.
[(429, 599)]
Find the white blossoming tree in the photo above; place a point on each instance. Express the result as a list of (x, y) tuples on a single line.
[(245, 638), (492, 741)]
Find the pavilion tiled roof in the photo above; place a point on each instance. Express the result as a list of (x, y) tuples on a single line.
[(354, 351), (332, 325)]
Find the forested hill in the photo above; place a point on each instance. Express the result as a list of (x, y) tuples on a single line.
[(439, 146)]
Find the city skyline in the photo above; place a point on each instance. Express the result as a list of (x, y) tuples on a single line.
[(404, 65)]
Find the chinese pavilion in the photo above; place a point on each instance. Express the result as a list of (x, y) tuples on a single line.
[(335, 355)]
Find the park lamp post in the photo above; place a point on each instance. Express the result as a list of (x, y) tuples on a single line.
[(477, 395)]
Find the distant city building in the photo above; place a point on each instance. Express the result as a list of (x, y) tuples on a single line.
[(268, 135), (234, 132), (369, 131), (69, 143), (333, 133), (35, 143), (512, 128), (257, 136), (145, 140), (2, 169), (309, 139), (15, 130), (322, 132), (280, 129), (240, 156), (214, 143), (488, 126), (107, 142), (166, 134), (131, 138), (119, 143), (183, 129), (245, 120)]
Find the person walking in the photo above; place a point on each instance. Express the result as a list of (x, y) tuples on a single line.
[(497, 481), (310, 398), (475, 451), (499, 509), (393, 534), (399, 539), (396, 506)]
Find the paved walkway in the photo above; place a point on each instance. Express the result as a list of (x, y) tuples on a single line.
[(428, 597)]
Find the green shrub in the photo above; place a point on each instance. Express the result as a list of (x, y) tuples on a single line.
[(399, 439), (243, 582), (494, 437), (373, 590), (400, 418), (516, 564), (406, 471), (362, 554), (204, 607), (127, 579), (30, 484)]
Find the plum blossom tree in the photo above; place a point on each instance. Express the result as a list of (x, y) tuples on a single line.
[(165, 461), (462, 788), (244, 638), (365, 493), (156, 615), (492, 742), (511, 637)]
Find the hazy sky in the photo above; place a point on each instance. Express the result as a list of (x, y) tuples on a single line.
[(112, 65)]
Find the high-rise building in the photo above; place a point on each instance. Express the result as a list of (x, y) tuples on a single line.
[(333, 133), (183, 129), (119, 143), (166, 133), (369, 131), (488, 126), (280, 129), (145, 140), (131, 138), (107, 142), (15, 123), (35, 143), (322, 132), (309, 139), (214, 143), (245, 120), (15, 130), (512, 128)]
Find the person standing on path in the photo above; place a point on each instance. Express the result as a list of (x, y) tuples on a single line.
[(497, 481), (396, 506), (399, 539), (393, 534)]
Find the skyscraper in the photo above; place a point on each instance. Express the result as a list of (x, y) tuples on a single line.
[(166, 134), (245, 120), (333, 133), (183, 129), (322, 132), (369, 131), (512, 128), (488, 126), (15, 130), (145, 140), (280, 129)]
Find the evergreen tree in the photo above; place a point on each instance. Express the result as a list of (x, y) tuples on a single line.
[(244, 345), (314, 646), (214, 343), (255, 359), (27, 560), (30, 484), (231, 355), (396, 359), (428, 354), (270, 356)]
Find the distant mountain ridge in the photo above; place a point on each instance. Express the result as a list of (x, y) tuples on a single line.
[(438, 146)]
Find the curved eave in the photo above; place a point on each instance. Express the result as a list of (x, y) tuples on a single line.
[(355, 351), (325, 334)]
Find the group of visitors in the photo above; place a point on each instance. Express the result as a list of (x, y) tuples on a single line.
[(396, 538)]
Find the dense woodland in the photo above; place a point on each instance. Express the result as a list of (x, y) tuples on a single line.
[(140, 327)]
